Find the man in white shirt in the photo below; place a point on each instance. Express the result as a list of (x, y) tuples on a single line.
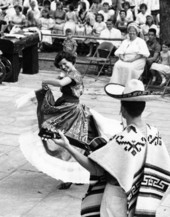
[(111, 32)]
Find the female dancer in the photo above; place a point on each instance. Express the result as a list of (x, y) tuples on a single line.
[(65, 114)]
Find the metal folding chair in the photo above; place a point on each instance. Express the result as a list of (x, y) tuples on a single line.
[(166, 87), (101, 57)]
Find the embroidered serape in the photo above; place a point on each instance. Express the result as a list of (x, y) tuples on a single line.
[(140, 165)]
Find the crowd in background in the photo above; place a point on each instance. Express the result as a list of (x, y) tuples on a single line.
[(82, 18), (98, 18)]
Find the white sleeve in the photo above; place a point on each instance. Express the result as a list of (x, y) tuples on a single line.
[(143, 49)]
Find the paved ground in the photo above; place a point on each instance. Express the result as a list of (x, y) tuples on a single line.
[(26, 192)]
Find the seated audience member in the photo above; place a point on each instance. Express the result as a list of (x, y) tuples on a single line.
[(70, 44), (16, 21), (53, 5), (129, 14), (95, 7), (31, 21), (46, 24), (46, 5), (138, 4), (59, 15), (98, 27), (26, 5), (122, 23), (107, 12), (153, 46), (34, 9), (154, 49), (81, 19), (141, 17), (71, 19), (163, 66), (9, 8), (111, 32), (148, 25), (132, 55)]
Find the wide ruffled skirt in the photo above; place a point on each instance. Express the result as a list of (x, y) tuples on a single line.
[(68, 115), (74, 119), (61, 167)]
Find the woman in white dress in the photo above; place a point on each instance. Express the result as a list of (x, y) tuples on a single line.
[(132, 55)]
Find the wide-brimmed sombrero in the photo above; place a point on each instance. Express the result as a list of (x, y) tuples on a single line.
[(133, 91)]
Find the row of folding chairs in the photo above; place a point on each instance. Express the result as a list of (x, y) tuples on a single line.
[(101, 58)]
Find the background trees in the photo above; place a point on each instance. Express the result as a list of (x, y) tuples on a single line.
[(165, 20)]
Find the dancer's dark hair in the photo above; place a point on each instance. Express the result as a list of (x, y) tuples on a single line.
[(64, 55)]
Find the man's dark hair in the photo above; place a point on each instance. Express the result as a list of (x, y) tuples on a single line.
[(109, 20), (64, 55), (71, 7), (19, 7), (152, 30), (143, 5), (134, 108)]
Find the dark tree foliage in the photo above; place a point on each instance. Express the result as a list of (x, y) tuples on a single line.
[(165, 20)]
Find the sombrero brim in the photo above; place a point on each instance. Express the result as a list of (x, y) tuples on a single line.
[(116, 91), (4, 7)]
